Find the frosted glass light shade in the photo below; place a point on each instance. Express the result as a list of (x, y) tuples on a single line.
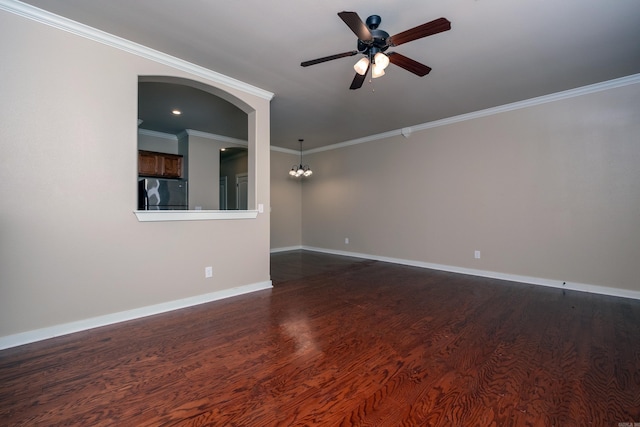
[(381, 60), (377, 71), (362, 66)]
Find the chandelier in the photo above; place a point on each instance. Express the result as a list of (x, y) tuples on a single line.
[(300, 170)]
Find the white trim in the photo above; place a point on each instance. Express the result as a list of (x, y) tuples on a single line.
[(558, 96), (123, 316), (207, 135), (284, 150), (371, 138), (584, 90), (594, 289), (215, 137), (153, 216), (222, 138), (285, 249), (82, 30), (157, 134)]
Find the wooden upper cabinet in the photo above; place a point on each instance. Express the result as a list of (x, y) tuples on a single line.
[(172, 166), (162, 165), (148, 163)]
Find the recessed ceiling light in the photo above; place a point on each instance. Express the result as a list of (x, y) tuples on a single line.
[(176, 112)]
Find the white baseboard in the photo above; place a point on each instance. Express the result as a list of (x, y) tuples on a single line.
[(109, 319), (95, 322), (289, 248), (595, 289)]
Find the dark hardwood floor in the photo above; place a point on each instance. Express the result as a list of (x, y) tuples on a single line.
[(344, 342)]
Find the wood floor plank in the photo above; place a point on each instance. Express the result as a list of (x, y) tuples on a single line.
[(344, 342)]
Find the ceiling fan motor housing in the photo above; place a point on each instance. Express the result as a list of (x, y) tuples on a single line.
[(379, 42), (373, 21)]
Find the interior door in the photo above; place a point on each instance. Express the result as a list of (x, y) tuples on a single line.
[(242, 191), (223, 193)]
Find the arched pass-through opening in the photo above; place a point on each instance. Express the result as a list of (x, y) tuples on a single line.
[(198, 213)]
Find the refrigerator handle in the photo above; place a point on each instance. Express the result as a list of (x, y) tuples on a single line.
[(143, 197)]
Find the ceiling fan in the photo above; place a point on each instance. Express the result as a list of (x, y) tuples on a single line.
[(373, 42)]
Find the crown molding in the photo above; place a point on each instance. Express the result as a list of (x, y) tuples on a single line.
[(558, 96), (553, 97), (370, 138), (157, 134), (285, 150), (213, 136), (207, 135), (42, 16)]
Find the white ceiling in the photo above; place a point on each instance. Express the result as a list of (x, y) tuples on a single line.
[(497, 52)]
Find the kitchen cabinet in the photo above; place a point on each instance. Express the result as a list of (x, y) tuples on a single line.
[(151, 163)]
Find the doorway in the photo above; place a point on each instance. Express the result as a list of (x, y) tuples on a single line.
[(242, 191), (223, 193)]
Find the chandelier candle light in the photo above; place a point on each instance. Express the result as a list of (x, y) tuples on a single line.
[(300, 170)]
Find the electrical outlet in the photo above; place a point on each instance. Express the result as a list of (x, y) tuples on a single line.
[(208, 272), (346, 240), (476, 254)]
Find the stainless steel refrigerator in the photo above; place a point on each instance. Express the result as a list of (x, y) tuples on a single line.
[(156, 194)]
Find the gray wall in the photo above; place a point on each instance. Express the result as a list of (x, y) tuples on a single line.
[(286, 202), (204, 172), (71, 248), (550, 191)]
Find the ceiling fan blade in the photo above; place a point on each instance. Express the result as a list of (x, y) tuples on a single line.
[(408, 64), (434, 27), (358, 80), (329, 58), (356, 25)]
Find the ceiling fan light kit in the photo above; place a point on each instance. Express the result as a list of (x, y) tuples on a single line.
[(380, 62), (373, 42)]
